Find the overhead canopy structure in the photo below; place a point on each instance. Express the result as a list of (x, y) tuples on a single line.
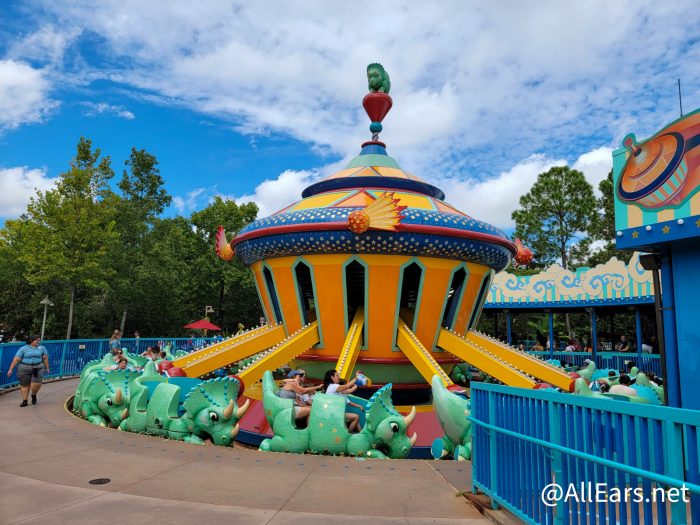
[(203, 324)]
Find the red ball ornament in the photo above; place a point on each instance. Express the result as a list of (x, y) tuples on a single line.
[(541, 386), (358, 222), (175, 371), (524, 255)]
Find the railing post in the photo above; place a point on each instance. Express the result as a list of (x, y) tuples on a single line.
[(555, 438), (493, 451), (672, 382), (675, 467), (638, 328), (509, 335), (550, 315), (63, 359), (594, 336)]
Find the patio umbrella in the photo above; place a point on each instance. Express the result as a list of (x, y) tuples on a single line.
[(203, 324)]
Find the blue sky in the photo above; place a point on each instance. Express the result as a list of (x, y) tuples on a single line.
[(238, 103)]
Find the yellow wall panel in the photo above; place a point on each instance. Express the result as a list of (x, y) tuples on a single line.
[(328, 273), (381, 315), (473, 285), (256, 268), (286, 291), (436, 282), (321, 201)]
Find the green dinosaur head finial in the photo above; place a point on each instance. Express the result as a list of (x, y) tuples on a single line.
[(378, 78)]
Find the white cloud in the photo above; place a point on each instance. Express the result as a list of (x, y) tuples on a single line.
[(24, 94), (272, 195), (17, 185), (508, 76), (190, 201), (47, 44), (595, 165), (101, 108), (493, 200)]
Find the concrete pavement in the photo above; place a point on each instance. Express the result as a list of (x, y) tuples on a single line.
[(49, 457)]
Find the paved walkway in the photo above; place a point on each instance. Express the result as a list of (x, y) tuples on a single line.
[(48, 458)]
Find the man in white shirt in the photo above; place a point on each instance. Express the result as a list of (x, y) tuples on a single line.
[(623, 388)]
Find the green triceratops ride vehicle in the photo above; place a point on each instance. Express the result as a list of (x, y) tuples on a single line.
[(452, 411), (102, 398), (181, 408), (384, 432)]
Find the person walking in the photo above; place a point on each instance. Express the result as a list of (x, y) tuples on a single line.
[(32, 362), (115, 342)]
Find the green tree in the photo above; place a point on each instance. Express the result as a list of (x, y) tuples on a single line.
[(556, 216), (141, 201), (605, 225), (68, 232), (230, 282)]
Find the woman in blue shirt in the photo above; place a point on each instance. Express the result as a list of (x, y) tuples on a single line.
[(32, 361)]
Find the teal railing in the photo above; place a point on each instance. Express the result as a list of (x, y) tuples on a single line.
[(611, 461), (67, 357), (614, 360)]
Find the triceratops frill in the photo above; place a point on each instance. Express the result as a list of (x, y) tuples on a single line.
[(209, 409)]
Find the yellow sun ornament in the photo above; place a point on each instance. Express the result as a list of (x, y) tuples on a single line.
[(383, 214)]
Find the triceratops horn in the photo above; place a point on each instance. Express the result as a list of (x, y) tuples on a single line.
[(243, 409), (228, 411), (410, 417), (125, 413), (118, 396), (235, 429), (413, 439)]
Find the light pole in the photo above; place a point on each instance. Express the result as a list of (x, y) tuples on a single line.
[(46, 302), (207, 310)]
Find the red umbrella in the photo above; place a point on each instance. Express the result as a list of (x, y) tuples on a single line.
[(203, 324)]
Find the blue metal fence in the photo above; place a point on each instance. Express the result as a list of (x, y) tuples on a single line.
[(67, 357), (524, 441), (615, 360)]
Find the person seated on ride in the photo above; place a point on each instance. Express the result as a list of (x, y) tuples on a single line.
[(331, 384), (118, 355), (347, 393), (623, 388), (122, 364), (653, 380), (293, 388), (604, 388)]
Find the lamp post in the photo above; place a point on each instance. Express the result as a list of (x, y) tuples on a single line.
[(207, 310), (46, 302)]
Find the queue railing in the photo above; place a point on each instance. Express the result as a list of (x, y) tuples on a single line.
[(557, 458), (67, 357)]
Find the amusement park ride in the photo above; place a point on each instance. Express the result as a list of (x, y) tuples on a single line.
[(372, 270)]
